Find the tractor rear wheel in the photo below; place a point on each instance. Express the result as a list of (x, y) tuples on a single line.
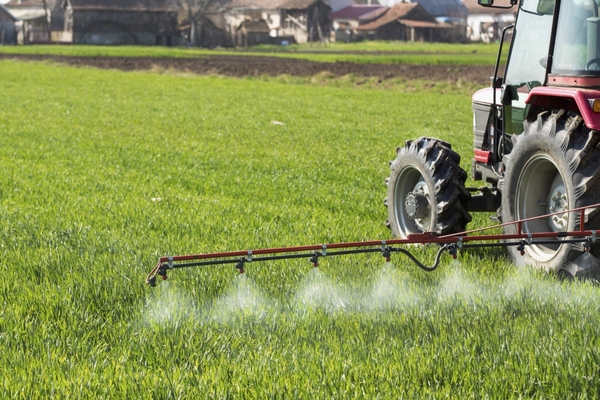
[(552, 168), (426, 190)]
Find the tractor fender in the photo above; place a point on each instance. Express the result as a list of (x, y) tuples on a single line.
[(573, 99), (486, 96)]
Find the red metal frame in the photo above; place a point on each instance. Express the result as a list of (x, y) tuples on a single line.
[(567, 98), (482, 156)]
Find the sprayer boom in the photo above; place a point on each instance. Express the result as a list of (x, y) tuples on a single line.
[(449, 243)]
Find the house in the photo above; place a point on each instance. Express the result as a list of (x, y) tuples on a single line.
[(405, 21), (288, 21), (304, 20), (39, 22), (144, 22), (450, 12), (8, 31), (242, 15), (346, 21), (252, 32), (209, 28), (485, 24), (33, 24)]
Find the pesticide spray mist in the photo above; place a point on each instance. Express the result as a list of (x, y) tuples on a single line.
[(318, 291), (393, 288), (242, 299)]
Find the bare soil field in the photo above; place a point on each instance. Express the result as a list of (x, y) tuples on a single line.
[(240, 66)]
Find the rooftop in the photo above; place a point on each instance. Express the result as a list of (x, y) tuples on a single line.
[(355, 11)]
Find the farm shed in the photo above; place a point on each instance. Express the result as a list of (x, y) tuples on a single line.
[(251, 33), (254, 15), (405, 21), (40, 24), (33, 24), (346, 21), (206, 27), (145, 22), (8, 31), (305, 20), (298, 21)]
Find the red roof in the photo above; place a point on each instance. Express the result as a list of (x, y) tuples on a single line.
[(354, 11), (404, 11)]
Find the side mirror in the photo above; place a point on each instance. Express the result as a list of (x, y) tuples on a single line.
[(509, 93), (496, 84), (546, 7)]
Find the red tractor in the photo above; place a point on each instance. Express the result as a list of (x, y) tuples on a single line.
[(536, 143), (537, 150)]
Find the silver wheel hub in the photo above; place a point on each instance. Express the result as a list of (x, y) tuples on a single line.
[(558, 201), (421, 217), (412, 202)]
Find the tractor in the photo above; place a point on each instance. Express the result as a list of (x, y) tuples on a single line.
[(536, 143), (536, 152)]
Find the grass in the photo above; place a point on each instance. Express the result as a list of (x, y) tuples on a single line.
[(376, 52), (104, 171)]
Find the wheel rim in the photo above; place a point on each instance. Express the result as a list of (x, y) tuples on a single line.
[(410, 180), (541, 190)]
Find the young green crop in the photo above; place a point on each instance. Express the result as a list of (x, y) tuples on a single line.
[(366, 52), (104, 171)]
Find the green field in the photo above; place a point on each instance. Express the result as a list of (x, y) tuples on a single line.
[(376, 52), (102, 172)]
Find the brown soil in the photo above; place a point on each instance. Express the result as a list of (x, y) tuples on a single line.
[(240, 66)]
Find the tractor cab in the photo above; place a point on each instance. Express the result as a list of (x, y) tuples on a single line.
[(553, 62)]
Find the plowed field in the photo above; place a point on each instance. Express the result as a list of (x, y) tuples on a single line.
[(240, 66)]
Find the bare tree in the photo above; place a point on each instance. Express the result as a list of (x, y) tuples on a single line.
[(48, 5), (195, 11)]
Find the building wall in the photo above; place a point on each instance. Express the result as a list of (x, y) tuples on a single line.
[(121, 27), (391, 31), (486, 27), (304, 25), (397, 31), (234, 18), (8, 32)]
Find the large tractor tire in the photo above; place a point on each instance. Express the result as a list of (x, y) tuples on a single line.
[(426, 190), (553, 167)]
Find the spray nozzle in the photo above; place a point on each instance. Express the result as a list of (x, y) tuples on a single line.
[(240, 265), (521, 247), (315, 260), (152, 281), (162, 272), (386, 253), (453, 251)]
